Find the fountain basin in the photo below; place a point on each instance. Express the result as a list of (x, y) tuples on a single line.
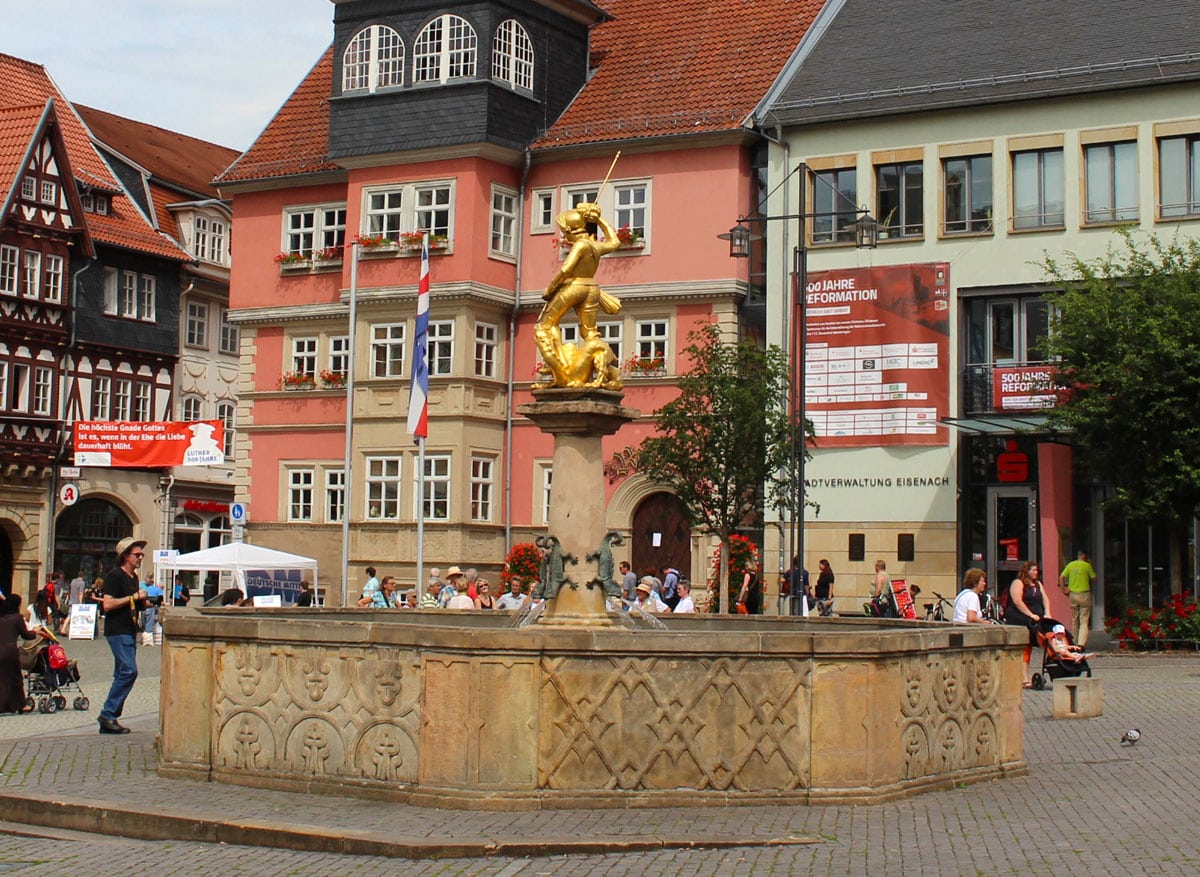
[(460, 709)]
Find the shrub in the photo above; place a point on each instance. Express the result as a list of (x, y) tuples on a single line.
[(1177, 620)]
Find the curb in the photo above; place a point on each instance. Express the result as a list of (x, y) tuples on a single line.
[(111, 819)]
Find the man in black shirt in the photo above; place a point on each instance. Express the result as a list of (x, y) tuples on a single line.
[(121, 601)]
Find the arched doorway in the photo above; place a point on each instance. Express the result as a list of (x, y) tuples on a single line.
[(662, 536), (86, 537)]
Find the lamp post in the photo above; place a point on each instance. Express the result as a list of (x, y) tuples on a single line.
[(866, 235)]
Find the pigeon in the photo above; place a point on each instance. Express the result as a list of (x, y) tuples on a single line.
[(1130, 737)]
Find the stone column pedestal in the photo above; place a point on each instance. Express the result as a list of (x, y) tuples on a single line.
[(578, 419)]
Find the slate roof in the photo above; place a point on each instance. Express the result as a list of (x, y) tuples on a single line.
[(687, 67), (296, 141), (916, 55), (22, 84)]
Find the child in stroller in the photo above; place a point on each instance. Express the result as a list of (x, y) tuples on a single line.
[(1060, 656), (48, 674)]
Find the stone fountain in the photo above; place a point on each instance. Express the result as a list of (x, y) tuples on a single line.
[(466, 710)]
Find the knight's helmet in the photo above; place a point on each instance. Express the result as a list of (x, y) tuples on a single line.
[(572, 221)]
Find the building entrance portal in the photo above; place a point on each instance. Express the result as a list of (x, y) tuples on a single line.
[(1012, 533), (86, 538), (661, 536)]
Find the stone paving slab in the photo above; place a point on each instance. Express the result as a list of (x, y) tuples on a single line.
[(1088, 806)]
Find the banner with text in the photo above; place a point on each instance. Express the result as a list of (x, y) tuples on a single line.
[(1023, 388), (876, 357), (122, 444)]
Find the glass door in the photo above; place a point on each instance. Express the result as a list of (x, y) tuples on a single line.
[(1012, 533)]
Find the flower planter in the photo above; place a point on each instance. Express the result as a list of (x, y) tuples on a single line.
[(308, 386)]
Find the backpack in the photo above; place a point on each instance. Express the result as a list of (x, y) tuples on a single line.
[(56, 656)]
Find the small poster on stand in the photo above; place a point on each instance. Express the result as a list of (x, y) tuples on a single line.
[(83, 621)]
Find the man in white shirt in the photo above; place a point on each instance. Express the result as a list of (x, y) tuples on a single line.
[(514, 599), (685, 603), (966, 605)]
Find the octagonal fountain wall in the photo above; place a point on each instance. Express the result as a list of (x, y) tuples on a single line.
[(461, 709)]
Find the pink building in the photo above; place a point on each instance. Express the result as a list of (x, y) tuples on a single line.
[(479, 124)]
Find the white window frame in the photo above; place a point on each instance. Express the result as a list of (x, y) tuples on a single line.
[(486, 347), (10, 270), (127, 295), (196, 324), (483, 485), (439, 352), (31, 271), (3, 385), (43, 390), (512, 56), (374, 59), (227, 414), (335, 495), (339, 354), (217, 235), (52, 277), (623, 202), (610, 330), (231, 335), (435, 487), (445, 49), (20, 386), (101, 397), (147, 287), (29, 188), (652, 339), (382, 494), (199, 236), (191, 408), (503, 238), (545, 481), (142, 412), (387, 350), (122, 399), (300, 494), (304, 355), (49, 193), (541, 211), (313, 228), (401, 208)]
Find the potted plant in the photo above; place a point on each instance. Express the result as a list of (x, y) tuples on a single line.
[(630, 238), (291, 260), (328, 254), (332, 380), (645, 366), (297, 380), (374, 243)]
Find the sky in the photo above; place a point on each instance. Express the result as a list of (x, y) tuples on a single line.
[(213, 69)]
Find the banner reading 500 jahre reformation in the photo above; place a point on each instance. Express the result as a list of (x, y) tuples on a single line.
[(121, 444), (876, 356)]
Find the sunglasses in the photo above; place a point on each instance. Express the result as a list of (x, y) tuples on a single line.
[(138, 553)]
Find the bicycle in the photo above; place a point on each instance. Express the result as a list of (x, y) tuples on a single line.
[(942, 610)]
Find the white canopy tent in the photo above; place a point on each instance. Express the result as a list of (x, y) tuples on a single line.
[(236, 558)]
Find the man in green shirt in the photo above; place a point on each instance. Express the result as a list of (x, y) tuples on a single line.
[(1076, 582)]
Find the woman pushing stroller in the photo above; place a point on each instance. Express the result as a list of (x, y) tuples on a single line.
[(1026, 607)]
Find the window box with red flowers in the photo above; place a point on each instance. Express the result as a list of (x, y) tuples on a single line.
[(630, 238), (644, 367), (297, 381), (377, 245), (330, 257), (331, 380), (291, 263), (410, 242)]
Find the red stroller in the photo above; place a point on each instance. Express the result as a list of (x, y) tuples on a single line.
[(50, 675)]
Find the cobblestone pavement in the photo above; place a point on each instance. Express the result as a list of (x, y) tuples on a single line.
[(1088, 806)]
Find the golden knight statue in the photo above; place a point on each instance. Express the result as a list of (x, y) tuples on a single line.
[(591, 363)]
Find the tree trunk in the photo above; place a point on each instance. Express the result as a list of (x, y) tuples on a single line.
[(723, 578)]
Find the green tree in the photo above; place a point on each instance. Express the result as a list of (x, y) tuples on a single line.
[(1126, 333), (723, 444)]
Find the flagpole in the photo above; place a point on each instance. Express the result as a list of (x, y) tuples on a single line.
[(347, 480), (418, 405)]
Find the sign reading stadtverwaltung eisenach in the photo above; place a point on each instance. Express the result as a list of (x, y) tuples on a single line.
[(122, 444), (876, 356)]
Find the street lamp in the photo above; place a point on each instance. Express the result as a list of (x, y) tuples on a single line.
[(866, 236)]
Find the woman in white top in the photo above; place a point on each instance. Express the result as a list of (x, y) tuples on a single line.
[(685, 603), (966, 605)]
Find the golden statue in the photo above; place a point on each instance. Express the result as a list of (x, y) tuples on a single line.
[(591, 363)]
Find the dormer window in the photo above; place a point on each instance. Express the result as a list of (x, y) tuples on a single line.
[(445, 49), (374, 59), (512, 56)]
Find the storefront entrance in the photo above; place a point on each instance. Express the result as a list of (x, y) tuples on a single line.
[(1012, 533), (661, 537)]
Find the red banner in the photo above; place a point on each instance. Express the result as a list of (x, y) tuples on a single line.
[(1023, 388), (876, 357), (149, 445)]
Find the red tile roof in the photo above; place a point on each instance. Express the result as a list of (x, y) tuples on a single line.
[(688, 67), (23, 83), (17, 128), (178, 160), (296, 141)]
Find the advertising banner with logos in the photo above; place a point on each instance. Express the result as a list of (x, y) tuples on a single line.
[(876, 360), (121, 444)]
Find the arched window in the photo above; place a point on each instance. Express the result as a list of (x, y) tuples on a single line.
[(444, 50), (189, 408), (512, 55), (373, 59)]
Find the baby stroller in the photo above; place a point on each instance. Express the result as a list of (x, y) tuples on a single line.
[(50, 675), (1061, 658)]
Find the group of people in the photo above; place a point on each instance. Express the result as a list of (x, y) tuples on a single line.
[(1025, 605), (460, 589), (798, 596), (657, 593)]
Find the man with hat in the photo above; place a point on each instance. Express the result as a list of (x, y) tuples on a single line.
[(122, 600), (453, 576), (647, 600)]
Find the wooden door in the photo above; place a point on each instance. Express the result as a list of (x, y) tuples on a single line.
[(661, 519)]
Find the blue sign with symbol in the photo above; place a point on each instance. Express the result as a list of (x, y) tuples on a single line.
[(237, 511)]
